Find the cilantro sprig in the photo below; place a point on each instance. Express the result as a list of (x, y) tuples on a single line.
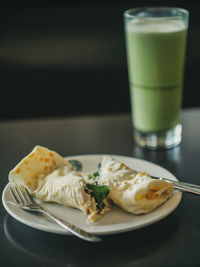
[(93, 176), (99, 192)]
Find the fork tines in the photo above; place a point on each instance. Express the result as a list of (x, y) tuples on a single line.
[(21, 195)]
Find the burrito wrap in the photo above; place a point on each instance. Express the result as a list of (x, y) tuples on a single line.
[(133, 191)]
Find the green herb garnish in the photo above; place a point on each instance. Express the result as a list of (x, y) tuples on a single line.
[(99, 192), (93, 175)]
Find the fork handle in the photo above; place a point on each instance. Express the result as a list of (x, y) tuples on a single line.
[(187, 188), (181, 183), (71, 228)]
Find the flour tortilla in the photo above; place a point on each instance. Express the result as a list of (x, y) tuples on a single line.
[(49, 177), (31, 171), (135, 192)]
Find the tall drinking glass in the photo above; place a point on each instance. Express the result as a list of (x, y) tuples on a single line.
[(156, 43)]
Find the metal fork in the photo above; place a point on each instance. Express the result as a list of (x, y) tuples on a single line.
[(25, 201), (185, 187)]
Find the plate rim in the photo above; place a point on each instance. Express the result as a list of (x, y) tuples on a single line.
[(59, 230)]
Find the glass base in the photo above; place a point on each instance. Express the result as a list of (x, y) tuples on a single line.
[(159, 140)]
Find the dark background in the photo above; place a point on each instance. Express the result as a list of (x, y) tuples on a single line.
[(69, 59)]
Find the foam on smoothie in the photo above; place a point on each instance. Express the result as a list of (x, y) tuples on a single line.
[(153, 25)]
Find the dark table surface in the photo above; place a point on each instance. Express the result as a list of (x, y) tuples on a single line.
[(173, 241)]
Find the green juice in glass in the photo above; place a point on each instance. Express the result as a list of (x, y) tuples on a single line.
[(156, 53)]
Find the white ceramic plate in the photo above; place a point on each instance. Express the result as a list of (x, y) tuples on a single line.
[(115, 221)]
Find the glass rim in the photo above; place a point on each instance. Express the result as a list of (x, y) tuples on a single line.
[(127, 13)]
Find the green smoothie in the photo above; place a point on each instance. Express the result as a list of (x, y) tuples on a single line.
[(156, 53)]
